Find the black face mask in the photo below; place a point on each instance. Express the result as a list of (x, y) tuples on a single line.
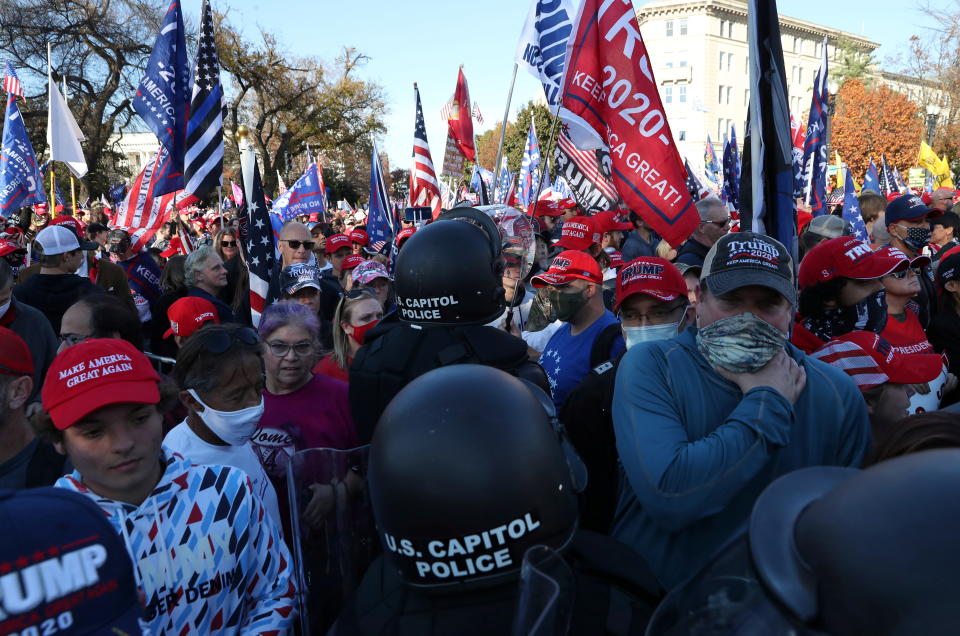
[(917, 238), (870, 314)]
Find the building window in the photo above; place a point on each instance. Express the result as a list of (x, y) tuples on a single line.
[(729, 60), (800, 75), (683, 94), (746, 96), (720, 95), (683, 63), (669, 28), (723, 24), (683, 26), (796, 45), (818, 49), (683, 135), (729, 93), (746, 65), (722, 55), (729, 29), (669, 64), (668, 94)]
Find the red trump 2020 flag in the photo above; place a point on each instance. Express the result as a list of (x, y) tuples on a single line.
[(610, 99), (460, 120)]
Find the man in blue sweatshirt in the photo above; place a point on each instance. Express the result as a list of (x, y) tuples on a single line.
[(706, 420)]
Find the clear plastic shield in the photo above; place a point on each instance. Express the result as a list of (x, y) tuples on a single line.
[(332, 525), (546, 594), (517, 235)]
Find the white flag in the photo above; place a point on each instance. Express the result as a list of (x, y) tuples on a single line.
[(543, 44), (63, 134)]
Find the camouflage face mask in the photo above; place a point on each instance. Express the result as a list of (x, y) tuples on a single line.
[(740, 344)]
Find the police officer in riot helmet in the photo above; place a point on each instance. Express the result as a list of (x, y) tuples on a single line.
[(460, 491), (448, 283), (836, 551)]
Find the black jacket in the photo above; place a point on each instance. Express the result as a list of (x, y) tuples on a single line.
[(944, 335), (692, 253), (53, 294)]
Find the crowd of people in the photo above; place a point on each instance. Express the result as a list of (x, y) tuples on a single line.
[(560, 394)]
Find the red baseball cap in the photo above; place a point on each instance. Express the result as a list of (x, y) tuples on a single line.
[(351, 261), (849, 257), (15, 358), (336, 242), (656, 277), (360, 237), (803, 220), (188, 314), (547, 208), (567, 266), (175, 246), (8, 247), (892, 252), (616, 258), (71, 222), (404, 234), (579, 233), (94, 374), (612, 221), (871, 361)]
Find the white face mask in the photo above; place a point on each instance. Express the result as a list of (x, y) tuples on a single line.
[(3, 308), (636, 335), (233, 427)]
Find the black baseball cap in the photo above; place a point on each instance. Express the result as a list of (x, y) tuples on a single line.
[(54, 532), (740, 259), (298, 276)]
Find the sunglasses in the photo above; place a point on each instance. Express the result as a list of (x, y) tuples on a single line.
[(217, 342), (295, 245), (358, 292), (723, 223), (904, 273), (228, 243)]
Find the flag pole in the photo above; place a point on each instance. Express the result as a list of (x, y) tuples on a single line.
[(551, 141), (52, 202), (503, 125), (73, 195)]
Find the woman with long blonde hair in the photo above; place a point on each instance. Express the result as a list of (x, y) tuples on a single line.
[(358, 312)]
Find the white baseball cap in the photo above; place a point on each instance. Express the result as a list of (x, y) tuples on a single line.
[(57, 239)]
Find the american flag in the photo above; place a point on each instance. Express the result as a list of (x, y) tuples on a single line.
[(586, 160), (11, 83), (851, 210), (424, 189), (694, 187), (203, 164), (888, 182), (281, 186), (260, 248), (142, 212), (854, 361)]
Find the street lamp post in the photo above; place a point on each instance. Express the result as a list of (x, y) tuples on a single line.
[(832, 88), (933, 114)]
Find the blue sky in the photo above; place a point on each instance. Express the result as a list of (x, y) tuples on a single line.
[(424, 41)]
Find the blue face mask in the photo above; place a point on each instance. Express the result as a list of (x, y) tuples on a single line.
[(649, 333)]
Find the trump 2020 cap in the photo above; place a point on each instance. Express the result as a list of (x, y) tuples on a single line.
[(741, 259)]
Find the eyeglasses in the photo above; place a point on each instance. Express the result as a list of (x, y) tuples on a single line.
[(71, 339), (295, 245), (217, 341), (228, 243), (281, 349)]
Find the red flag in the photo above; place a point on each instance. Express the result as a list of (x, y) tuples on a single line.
[(610, 98), (460, 121)]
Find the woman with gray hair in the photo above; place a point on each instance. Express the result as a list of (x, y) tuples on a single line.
[(301, 409), (205, 277)]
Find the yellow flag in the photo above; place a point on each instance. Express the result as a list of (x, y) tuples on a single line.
[(928, 158), (944, 176)]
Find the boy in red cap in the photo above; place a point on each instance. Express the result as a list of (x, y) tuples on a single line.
[(652, 304), (206, 555), (576, 296), (841, 291)]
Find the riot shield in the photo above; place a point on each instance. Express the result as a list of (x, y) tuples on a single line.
[(546, 594), (333, 531), (516, 233)]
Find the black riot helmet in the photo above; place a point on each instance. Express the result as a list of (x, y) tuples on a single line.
[(449, 272), (466, 473), (869, 552)]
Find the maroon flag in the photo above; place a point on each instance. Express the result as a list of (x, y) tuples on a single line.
[(610, 100), (460, 121)]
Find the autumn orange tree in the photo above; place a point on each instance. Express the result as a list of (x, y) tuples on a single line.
[(871, 121)]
